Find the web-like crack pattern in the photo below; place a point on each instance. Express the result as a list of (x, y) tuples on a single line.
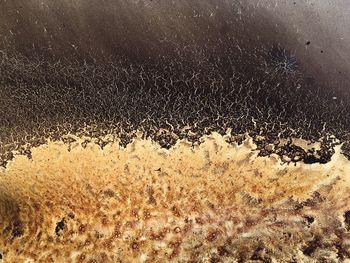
[(261, 92)]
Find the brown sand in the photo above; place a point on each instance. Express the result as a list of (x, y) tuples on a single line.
[(214, 202)]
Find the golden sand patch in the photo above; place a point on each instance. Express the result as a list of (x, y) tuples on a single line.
[(216, 202)]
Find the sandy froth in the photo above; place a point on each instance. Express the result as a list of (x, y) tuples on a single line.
[(215, 202)]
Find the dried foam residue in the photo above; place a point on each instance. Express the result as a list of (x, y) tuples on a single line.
[(214, 202)]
